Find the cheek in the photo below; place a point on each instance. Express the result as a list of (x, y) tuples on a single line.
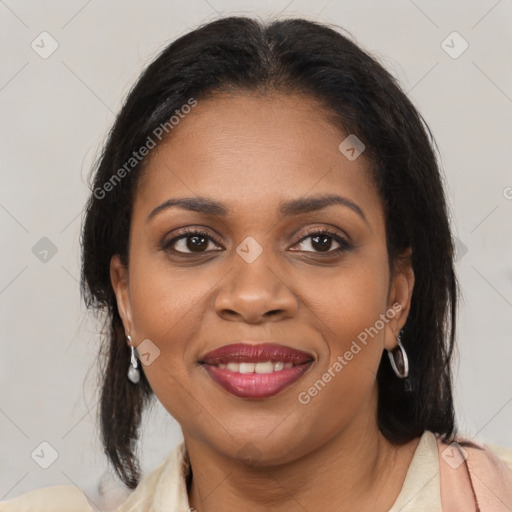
[(351, 302), (350, 312), (167, 308)]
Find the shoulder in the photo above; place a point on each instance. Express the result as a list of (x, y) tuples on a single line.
[(164, 488), (489, 470), (503, 452), (499, 456), (65, 498)]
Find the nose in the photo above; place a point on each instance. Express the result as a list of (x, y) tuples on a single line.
[(255, 293)]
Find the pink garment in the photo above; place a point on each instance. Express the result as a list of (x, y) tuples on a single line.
[(473, 478)]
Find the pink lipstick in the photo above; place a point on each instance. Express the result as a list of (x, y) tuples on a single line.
[(256, 371)]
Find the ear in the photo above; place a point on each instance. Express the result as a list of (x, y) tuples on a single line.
[(120, 284), (399, 300)]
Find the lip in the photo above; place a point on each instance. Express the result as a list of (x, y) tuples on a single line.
[(243, 352), (255, 385)]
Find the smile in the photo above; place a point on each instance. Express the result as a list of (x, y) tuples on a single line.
[(256, 371)]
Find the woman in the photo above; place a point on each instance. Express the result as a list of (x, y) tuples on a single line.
[(268, 234)]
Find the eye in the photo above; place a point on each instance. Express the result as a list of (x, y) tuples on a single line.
[(195, 241), (321, 242), (190, 242)]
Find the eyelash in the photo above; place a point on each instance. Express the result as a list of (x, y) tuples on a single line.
[(344, 245)]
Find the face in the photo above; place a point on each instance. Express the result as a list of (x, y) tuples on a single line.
[(268, 264)]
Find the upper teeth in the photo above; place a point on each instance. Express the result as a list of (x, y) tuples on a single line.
[(262, 367)]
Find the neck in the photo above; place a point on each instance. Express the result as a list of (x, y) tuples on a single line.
[(357, 469)]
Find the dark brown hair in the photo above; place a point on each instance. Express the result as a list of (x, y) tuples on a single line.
[(241, 54)]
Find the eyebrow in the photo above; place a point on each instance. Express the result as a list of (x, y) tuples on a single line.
[(288, 208)]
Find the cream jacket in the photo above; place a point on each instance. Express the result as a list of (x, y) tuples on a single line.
[(464, 479)]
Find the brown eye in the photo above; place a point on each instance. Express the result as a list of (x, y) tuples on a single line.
[(196, 243), (322, 241), (190, 242)]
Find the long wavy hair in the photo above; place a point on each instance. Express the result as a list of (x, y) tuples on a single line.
[(238, 54)]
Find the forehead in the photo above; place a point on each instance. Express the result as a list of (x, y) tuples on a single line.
[(251, 152)]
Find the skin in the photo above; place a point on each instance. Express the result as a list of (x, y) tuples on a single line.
[(250, 153)]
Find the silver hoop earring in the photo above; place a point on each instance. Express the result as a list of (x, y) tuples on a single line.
[(133, 369), (399, 360)]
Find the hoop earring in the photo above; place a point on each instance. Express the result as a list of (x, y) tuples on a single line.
[(399, 360), (133, 369)]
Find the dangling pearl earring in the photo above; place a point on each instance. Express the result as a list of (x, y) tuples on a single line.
[(133, 369)]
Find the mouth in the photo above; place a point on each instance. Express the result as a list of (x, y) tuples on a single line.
[(256, 371)]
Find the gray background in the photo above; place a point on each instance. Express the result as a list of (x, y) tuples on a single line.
[(55, 112)]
